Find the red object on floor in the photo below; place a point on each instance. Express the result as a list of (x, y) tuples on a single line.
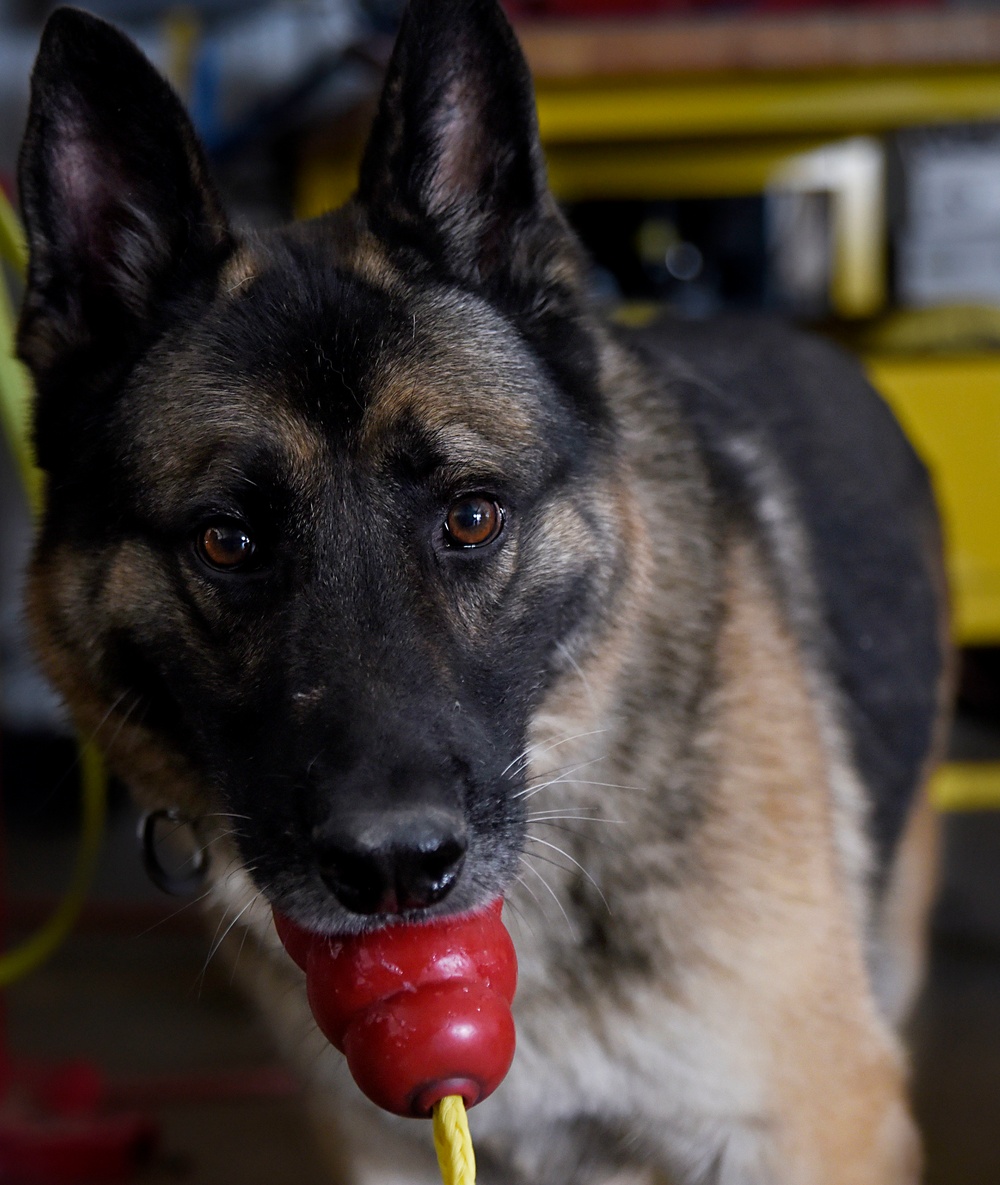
[(54, 1129)]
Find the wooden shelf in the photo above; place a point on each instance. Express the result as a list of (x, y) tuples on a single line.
[(564, 51)]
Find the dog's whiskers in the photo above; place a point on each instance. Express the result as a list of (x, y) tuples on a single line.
[(532, 791), (557, 770), (519, 913), (220, 939), (175, 913), (584, 837), (532, 869), (92, 736), (572, 860), (243, 940), (123, 719), (536, 750), (565, 776), (565, 652), (312, 762), (529, 890), (557, 815), (554, 820)]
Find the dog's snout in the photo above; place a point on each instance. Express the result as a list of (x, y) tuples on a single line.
[(390, 862)]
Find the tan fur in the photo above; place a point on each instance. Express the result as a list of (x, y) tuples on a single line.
[(359, 251), (901, 938), (767, 967), (158, 777), (900, 929), (789, 936), (368, 257), (434, 386), (199, 449)]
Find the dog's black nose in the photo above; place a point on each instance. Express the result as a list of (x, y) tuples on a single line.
[(387, 862)]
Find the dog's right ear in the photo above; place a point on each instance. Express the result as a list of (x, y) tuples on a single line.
[(454, 165), (119, 211)]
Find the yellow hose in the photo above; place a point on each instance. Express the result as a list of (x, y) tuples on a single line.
[(34, 951), (15, 383), (15, 399)]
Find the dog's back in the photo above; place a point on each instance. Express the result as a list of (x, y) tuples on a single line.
[(797, 441)]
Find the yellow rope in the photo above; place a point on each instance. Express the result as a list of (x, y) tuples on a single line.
[(15, 398), (25, 958), (453, 1142)]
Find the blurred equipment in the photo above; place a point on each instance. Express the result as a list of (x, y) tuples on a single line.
[(698, 256), (946, 215), (826, 230)]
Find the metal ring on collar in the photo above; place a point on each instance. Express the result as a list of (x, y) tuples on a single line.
[(178, 885)]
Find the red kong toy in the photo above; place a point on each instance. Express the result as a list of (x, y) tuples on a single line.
[(420, 1011)]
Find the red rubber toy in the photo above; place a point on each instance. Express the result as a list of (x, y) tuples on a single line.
[(420, 1011)]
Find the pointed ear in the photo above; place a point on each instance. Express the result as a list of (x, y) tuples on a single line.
[(119, 211), (454, 165)]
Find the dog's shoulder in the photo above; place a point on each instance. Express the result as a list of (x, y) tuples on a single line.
[(798, 444)]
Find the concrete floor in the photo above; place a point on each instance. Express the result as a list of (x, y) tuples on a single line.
[(139, 1002), (956, 1032)]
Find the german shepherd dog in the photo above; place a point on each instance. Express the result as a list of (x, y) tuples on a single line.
[(373, 550)]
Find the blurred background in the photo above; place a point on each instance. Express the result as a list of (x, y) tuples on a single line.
[(835, 163)]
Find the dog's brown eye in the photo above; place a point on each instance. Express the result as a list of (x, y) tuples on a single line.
[(225, 545), (473, 521)]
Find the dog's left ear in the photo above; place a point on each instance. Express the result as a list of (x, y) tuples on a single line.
[(120, 214), (454, 166)]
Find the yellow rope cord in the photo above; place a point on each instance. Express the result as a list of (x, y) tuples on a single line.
[(15, 397), (25, 958), (453, 1142)]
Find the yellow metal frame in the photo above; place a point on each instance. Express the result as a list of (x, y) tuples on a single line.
[(765, 105), (966, 786), (651, 170), (950, 408)]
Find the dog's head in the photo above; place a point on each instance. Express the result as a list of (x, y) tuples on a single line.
[(331, 510)]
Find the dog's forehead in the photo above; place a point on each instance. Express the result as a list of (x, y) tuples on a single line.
[(206, 435), (319, 363), (463, 381)]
